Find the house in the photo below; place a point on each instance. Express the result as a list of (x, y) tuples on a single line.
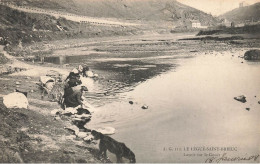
[(227, 23), (240, 25), (195, 24)]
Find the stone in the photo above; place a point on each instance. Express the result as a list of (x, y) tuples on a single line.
[(17, 83), (71, 137), (144, 107), (82, 134), (241, 98), (73, 128), (258, 102), (131, 102), (55, 111), (247, 109), (89, 138), (252, 55), (57, 118)]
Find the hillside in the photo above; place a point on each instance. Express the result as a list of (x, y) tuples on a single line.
[(147, 10), (243, 14), (153, 10), (21, 28)]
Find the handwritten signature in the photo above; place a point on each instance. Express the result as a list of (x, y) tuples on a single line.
[(225, 158)]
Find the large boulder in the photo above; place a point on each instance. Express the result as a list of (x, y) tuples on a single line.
[(15, 100), (252, 55)]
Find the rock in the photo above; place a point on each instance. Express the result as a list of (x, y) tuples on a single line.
[(241, 98), (252, 55), (131, 102), (17, 83), (144, 107), (57, 118), (32, 91), (73, 128), (95, 75), (55, 111), (247, 109), (89, 138), (106, 130), (258, 102), (79, 122), (71, 137), (82, 134), (15, 100), (242, 62)]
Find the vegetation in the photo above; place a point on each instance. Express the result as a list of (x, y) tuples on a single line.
[(3, 59)]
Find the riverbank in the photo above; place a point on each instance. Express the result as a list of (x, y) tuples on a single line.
[(124, 64), (34, 134)]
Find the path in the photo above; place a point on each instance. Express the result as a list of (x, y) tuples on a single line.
[(69, 16), (32, 70)]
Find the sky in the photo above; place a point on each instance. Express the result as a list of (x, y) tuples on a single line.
[(216, 7)]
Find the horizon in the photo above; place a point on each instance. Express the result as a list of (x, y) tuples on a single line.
[(216, 7)]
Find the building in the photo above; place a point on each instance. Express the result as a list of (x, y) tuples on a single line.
[(227, 23), (195, 24), (240, 25)]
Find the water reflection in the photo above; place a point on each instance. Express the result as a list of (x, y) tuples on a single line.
[(121, 77), (56, 59)]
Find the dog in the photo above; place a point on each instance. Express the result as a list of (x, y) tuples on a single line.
[(118, 148)]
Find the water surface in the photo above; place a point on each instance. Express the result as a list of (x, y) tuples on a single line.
[(190, 106)]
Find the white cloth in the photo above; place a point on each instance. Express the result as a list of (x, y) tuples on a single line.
[(76, 71), (106, 130), (89, 74), (45, 79), (15, 100)]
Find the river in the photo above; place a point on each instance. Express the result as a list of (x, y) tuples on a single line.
[(190, 106), (189, 93)]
